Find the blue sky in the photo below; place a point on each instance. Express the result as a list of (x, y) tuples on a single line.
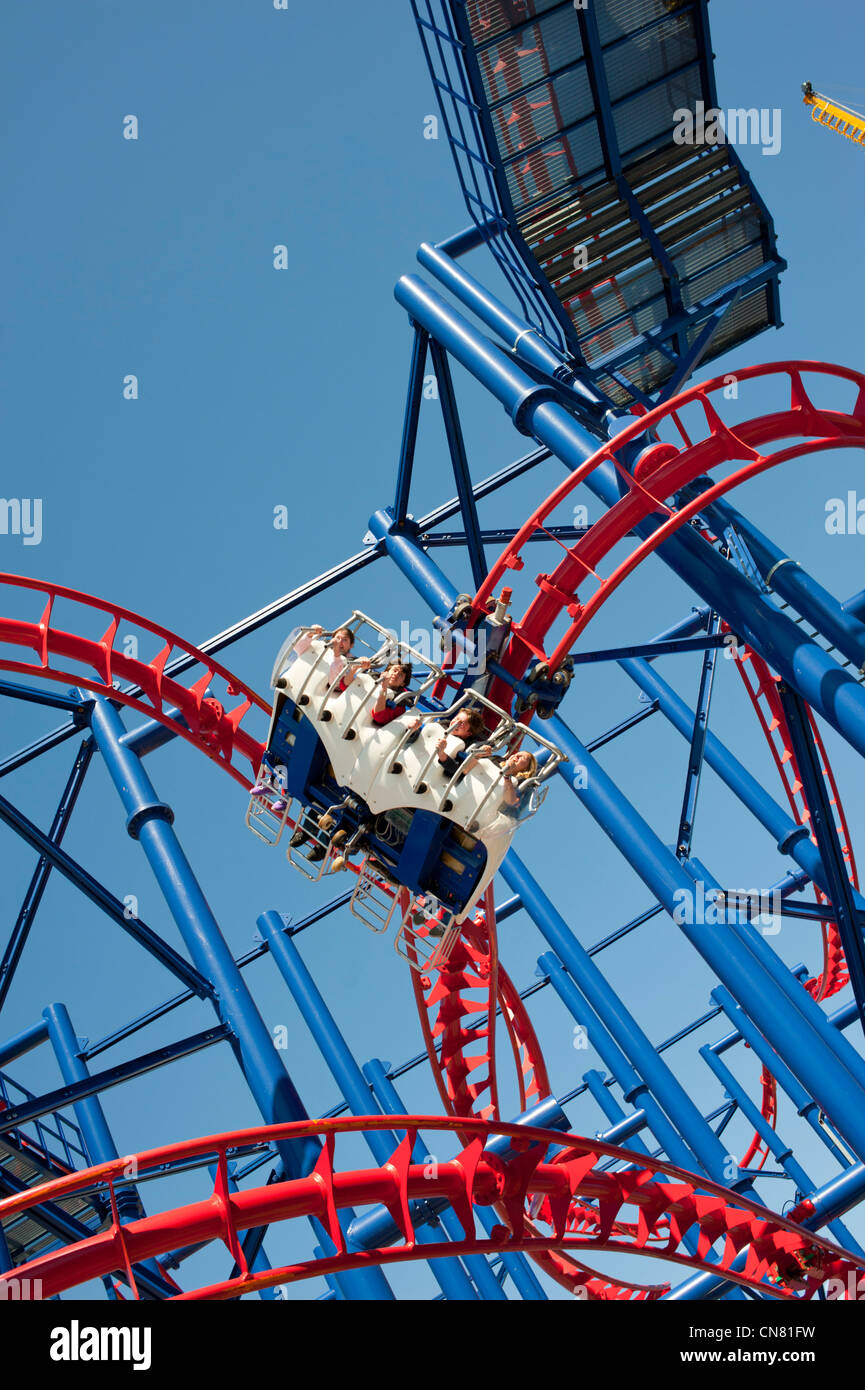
[(260, 388)]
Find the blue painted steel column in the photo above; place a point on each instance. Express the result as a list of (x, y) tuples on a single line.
[(791, 839), (824, 827), (618, 1039), (523, 338), (797, 1028), (403, 546), (150, 822), (449, 1274), (609, 1105), (770, 1137), (516, 1264), (535, 411), (787, 578), (91, 1119), (462, 475), (410, 422), (805, 1105), (23, 1042), (42, 873)]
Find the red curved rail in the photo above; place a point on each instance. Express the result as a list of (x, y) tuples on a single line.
[(667, 1202), (662, 470), (212, 726)]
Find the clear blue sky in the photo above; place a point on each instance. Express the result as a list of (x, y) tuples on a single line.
[(260, 388)]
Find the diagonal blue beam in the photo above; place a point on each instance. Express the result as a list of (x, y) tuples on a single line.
[(111, 906), (698, 744), (410, 422), (15, 1115), (36, 887), (33, 696), (456, 447), (847, 916)]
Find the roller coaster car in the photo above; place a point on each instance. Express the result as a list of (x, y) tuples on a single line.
[(428, 841)]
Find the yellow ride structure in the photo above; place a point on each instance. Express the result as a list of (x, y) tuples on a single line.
[(834, 115)]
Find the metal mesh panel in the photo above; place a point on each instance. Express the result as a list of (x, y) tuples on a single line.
[(647, 118), (487, 18), (715, 243), (718, 277), (647, 57), (525, 120), (616, 18), (554, 166), (750, 316), (614, 297), (529, 55)]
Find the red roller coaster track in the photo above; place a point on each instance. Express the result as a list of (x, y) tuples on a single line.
[(666, 1202)]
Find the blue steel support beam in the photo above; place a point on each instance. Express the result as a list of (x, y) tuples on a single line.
[(689, 360), (503, 534), (410, 423), (848, 918), (698, 745), (644, 1077), (470, 238), (39, 697), (460, 463), (449, 1274), (516, 1264), (91, 1119), (535, 411), (149, 821), (522, 338), (740, 957), (39, 881), (791, 838), (630, 1124), (403, 546), (152, 734), (160, 1010), (23, 1042), (770, 1137), (90, 1085), (805, 1105), (42, 745), (111, 906), (838, 623), (97, 1137)]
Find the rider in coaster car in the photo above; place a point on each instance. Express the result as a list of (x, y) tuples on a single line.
[(340, 645), (464, 729), (516, 768), (393, 681)]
